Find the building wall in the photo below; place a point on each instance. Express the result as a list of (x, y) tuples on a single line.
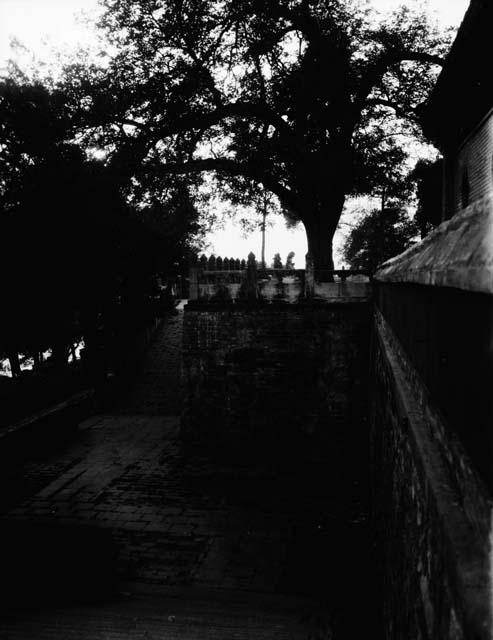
[(476, 157)]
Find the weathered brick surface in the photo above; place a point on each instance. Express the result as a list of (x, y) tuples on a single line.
[(274, 376), (476, 158), (132, 508), (432, 549)]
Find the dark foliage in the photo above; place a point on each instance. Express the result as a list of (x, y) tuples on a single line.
[(380, 235), (77, 254), (428, 176)]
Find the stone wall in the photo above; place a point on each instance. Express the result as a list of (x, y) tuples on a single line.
[(431, 415), (263, 377), (431, 525), (457, 255), (229, 280)]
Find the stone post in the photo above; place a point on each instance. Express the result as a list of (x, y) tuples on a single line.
[(309, 276), (251, 284), (203, 263), (194, 282)]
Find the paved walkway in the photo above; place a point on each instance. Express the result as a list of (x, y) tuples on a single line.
[(174, 547), (158, 389)]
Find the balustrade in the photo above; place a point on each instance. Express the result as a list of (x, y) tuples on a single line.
[(218, 279)]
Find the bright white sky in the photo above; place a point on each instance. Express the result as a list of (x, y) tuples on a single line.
[(43, 26)]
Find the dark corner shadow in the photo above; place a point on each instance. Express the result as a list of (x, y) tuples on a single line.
[(48, 564)]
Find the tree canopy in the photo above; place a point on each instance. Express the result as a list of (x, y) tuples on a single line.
[(71, 238), (295, 95), (379, 236), (428, 176)]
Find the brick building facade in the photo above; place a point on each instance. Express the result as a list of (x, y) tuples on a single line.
[(459, 114)]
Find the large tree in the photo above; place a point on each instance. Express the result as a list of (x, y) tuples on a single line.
[(296, 95)]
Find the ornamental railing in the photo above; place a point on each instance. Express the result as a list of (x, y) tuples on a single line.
[(218, 279)]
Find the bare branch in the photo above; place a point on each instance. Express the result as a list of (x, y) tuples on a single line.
[(200, 64), (204, 120)]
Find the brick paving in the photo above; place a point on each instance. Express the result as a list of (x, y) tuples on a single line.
[(174, 614), (158, 388), (120, 504)]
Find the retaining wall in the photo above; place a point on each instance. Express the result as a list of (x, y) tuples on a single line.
[(431, 518), (431, 415), (265, 376)]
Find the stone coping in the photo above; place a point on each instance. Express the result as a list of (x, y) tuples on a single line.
[(466, 550), (458, 253)]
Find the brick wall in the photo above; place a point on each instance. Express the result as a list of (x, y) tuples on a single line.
[(475, 156), (432, 513), (431, 416), (266, 379), (271, 376)]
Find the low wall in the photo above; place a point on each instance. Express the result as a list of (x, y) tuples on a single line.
[(432, 532), (431, 434), (265, 376), (218, 280)]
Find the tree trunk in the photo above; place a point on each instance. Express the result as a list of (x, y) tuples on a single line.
[(320, 227), (36, 359), (15, 365), (59, 355)]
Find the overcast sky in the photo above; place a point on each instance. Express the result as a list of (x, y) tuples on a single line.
[(45, 25), (41, 23)]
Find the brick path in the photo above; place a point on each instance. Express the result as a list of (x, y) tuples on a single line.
[(119, 505), (158, 389)]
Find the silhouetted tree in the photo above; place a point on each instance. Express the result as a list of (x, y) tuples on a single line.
[(429, 177), (378, 236), (291, 94), (290, 261)]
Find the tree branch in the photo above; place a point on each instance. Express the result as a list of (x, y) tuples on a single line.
[(375, 73), (301, 20), (200, 65), (232, 167), (204, 120)]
